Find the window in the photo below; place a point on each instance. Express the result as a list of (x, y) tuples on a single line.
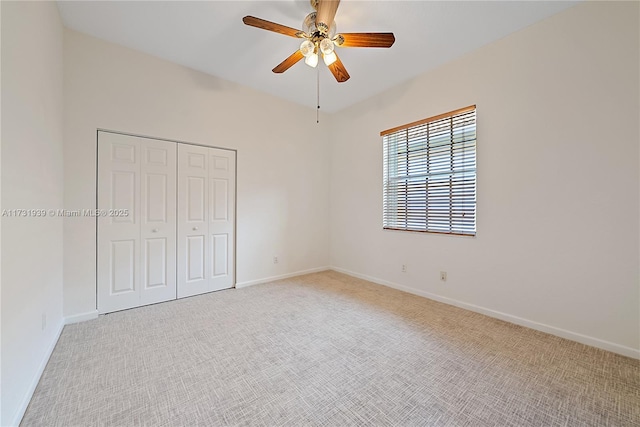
[(430, 174)]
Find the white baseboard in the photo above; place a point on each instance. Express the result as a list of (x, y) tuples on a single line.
[(82, 317), (562, 333), (282, 276), (22, 408)]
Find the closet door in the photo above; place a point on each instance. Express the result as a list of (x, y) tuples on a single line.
[(161, 250), (158, 221), (206, 219), (193, 220), (136, 252), (118, 236), (222, 190)]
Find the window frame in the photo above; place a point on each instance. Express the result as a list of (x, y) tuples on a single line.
[(387, 178)]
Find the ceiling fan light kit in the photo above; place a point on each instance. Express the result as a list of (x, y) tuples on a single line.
[(319, 34), (326, 46), (307, 48), (329, 58)]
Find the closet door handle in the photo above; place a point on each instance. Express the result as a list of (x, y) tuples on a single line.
[(155, 230), (195, 228)]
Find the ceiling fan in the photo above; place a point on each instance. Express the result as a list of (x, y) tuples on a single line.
[(319, 34)]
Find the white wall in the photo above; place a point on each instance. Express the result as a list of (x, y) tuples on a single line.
[(558, 183), (32, 177), (283, 182)]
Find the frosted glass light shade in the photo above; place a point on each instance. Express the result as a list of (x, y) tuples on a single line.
[(307, 48), (333, 29), (309, 23), (329, 58), (326, 46), (312, 60)]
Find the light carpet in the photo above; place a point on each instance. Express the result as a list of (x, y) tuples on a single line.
[(326, 349)]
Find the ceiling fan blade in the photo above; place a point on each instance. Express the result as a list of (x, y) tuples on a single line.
[(289, 62), (338, 71), (326, 12), (270, 26), (367, 39)]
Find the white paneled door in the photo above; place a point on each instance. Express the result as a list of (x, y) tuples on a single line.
[(167, 220), (206, 219), (118, 236), (193, 178), (222, 189), (157, 221), (137, 221)]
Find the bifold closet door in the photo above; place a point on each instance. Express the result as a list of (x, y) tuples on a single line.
[(136, 251), (206, 219)]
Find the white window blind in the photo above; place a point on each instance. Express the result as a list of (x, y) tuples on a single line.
[(430, 174)]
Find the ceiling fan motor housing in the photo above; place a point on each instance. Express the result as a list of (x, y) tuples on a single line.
[(322, 28)]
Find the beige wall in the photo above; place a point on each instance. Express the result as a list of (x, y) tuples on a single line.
[(32, 177), (283, 163), (558, 183)]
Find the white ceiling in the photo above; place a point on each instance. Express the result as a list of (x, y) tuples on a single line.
[(209, 36)]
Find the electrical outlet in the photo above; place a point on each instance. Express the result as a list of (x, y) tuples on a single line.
[(44, 321), (275, 259), (404, 268), (443, 276)]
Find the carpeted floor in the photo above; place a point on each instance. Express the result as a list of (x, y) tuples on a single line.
[(326, 349)]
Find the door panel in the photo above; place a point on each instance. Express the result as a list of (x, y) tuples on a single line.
[(220, 200), (193, 249), (220, 254), (220, 163), (123, 267), (158, 223), (156, 156), (123, 195), (156, 190), (206, 219), (136, 252), (118, 275), (196, 158), (123, 152), (155, 261), (195, 199), (222, 177), (195, 258)]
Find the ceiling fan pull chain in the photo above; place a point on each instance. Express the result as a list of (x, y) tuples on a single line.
[(318, 92)]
